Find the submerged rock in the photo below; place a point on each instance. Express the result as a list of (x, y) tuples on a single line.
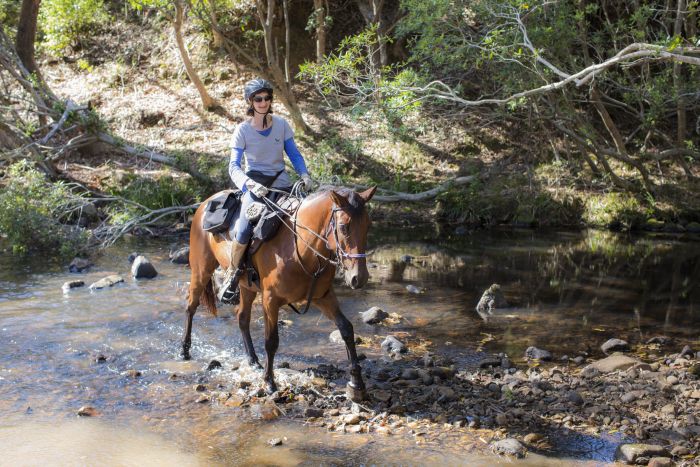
[(614, 345), (71, 285), (416, 290), (79, 265), (87, 411), (661, 340), (142, 268)]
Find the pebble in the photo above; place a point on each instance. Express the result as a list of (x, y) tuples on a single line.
[(575, 397), (274, 441), (614, 345), (312, 412), (631, 452), (87, 411), (392, 345), (351, 419), (202, 399), (213, 365), (660, 462), (533, 438), (374, 315), (336, 338), (108, 281), (71, 285), (415, 290), (533, 353), (510, 447)]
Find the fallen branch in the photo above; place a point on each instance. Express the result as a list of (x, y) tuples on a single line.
[(425, 195)]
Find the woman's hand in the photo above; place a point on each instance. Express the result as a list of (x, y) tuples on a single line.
[(306, 179), (257, 189)]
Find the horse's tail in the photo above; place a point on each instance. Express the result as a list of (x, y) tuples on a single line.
[(208, 298)]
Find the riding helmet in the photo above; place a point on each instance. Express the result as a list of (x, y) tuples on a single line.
[(255, 86)]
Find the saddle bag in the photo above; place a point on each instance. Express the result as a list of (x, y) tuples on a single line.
[(270, 220), (220, 211)]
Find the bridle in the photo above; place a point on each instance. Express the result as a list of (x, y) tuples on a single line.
[(337, 256)]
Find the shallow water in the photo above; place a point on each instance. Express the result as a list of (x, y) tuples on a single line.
[(569, 292)]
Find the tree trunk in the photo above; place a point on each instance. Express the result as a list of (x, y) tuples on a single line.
[(26, 34), (678, 80), (218, 38), (287, 41), (207, 101), (266, 15), (320, 30)]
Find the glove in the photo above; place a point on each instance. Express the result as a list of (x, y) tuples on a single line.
[(306, 179), (257, 189)]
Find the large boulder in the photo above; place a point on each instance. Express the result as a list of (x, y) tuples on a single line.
[(141, 268)]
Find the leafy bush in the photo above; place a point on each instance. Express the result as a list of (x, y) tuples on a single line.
[(34, 212), (64, 21), (621, 211)]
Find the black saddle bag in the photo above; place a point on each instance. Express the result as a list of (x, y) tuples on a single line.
[(220, 210), (270, 222)]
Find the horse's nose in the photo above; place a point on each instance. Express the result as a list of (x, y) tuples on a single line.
[(354, 282)]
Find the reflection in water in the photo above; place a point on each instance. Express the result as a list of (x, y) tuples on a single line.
[(569, 292)]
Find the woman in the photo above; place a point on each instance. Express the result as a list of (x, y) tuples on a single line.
[(261, 139)]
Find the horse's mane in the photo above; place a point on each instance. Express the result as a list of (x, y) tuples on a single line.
[(355, 202)]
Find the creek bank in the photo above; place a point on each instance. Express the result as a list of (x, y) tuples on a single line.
[(423, 397)]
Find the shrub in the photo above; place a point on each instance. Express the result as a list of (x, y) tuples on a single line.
[(64, 21), (621, 211), (34, 212)]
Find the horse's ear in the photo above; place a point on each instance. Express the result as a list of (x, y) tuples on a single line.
[(339, 199), (368, 193)]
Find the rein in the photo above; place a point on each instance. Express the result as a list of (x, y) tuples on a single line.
[(339, 253)]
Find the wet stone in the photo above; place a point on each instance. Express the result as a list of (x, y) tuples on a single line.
[(575, 397), (533, 353), (213, 365), (613, 363), (409, 373), (578, 360), (71, 285), (660, 462), (392, 345), (533, 438), (87, 411), (142, 268), (614, 345), (336, 338), (200, 387), (105, 282), (687, 352), (509, 447), (631, 453), (180, 256), (312, 412), (415, 290), (275, 442), (374, 315), (660, 340), (79, 265), (132, 373), (490, 362)]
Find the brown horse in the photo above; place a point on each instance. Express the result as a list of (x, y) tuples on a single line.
[(328, 229)]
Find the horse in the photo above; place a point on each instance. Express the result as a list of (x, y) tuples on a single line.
[(328, 230)]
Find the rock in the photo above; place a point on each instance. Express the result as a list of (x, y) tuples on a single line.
[(132, 373), (631, 396), (693, 227), (203, 399), (679, 451), (613, 363), (108, 281), (490, 362), (374, 315), (71, 285), (660, 340), (491, 299), (614, 345), (533, 438), (132, 256), (509, 447), (575, 397), (660, 462), (578, 360), (275, 442), (141, 268), (694, 370), (629, 453), (336, 338), (442, 372), (87, 411), (407, 259), (392, 345), (687, 352), (501, 419), (181, 256), (351, 419), (312, 412), (213, 365), (410, 373), (79, 265), (382, 396), (533, 353), (446, 394), (416, 290), (201, 388)]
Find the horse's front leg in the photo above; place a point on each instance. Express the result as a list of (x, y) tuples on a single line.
[(330, 307), (272, 341), (244, 311)]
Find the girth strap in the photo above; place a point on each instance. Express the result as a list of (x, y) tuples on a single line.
[(314, 278)]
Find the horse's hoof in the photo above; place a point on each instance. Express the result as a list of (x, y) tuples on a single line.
[(270, 388), (185, 355), (355, 394)]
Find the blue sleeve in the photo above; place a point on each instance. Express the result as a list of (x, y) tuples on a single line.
[(295, 156), (234, 169)]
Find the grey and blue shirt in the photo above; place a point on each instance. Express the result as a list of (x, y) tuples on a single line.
[(264, 152)]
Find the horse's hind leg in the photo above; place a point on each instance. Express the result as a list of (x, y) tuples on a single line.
[(330, 307), (200, 283), (244, 309), (272, 340)]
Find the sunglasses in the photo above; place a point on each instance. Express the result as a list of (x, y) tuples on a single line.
[(262, 98)]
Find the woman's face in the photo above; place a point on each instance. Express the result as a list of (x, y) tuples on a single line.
[(262, 102)]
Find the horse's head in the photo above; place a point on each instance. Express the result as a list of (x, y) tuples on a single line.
[(350, 223)]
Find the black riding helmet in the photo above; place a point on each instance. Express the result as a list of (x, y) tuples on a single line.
[(253, 87)]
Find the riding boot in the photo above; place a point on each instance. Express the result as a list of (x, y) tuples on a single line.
[(229, 292)]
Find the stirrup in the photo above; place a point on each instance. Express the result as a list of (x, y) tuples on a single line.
[(230, 293)]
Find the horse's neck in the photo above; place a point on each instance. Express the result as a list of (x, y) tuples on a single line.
[(313, 215)]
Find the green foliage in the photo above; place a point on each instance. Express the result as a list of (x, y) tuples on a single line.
[(34, 212), (161, 192), (63, 22), (9, 13), (618, 210)]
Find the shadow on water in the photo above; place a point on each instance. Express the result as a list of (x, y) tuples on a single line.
[(568, 292)]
